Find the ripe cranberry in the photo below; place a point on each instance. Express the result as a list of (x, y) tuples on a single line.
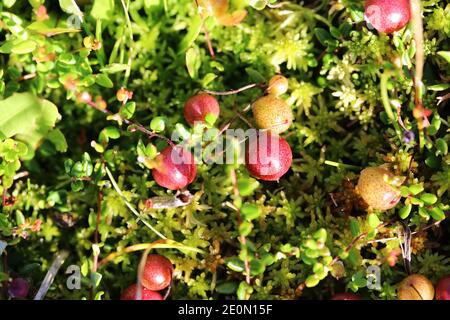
[(199, 106), (415, 287), (278, 85), (387, 16), (375, 189), (18, 288), (157, 272), (268, 156), (345, 296), (272, 113), (130, 293), (175, 168), (443, 289)]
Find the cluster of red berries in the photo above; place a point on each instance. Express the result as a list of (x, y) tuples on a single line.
[(272, 156), (157, 276)]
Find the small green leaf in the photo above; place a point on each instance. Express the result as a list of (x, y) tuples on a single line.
[(158, 124), (103, 80), (445, 55), (439, 87), (441, 146), (256, 267), (58, 139), (112, 132), (312, 281), (245, 228), (103, 9), (235, 264), (250, 211), (373, 220), (247, 186), (423, 212), (258, 4), (405, 211), (354, 227), (114, 68), (322, 35), (428, 198), (193, 61), (320, 235), (71, 7), (20, 219), (415, 189), (437, 214), (127, 110), (24, 47), (228, 287), (195, 26)]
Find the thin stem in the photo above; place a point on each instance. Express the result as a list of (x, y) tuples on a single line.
[(341, 165), (160, 244), (130, 57), (231, 92), (130, 206), (386, 103)]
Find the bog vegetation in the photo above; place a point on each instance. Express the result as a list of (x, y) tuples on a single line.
[(352, 205)]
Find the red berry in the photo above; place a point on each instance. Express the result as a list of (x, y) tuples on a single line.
[(131, 292), (345, 296), (175, 168), (268, 157), (18, 288), (388, 16), (157, 272), (443, 289), (199, 106)]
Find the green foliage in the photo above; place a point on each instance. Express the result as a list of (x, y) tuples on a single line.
[(83, 108)]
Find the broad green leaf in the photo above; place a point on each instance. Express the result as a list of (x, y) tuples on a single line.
[(437, 213), (354, 227), (59, 141), (442, 147), (127, 110), (322, 35), (439, 87), (428, 198), (103, 9), (193, 61), (24, 47), (405, 211), (157, 124), (415, 189), (9, 3), (28, 118), (373, 220), (195, 26), (250, 211), (445, 55), (227, 287), (235, 264), (247, 186), (104, 80), (43, 28), (71, 7)]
